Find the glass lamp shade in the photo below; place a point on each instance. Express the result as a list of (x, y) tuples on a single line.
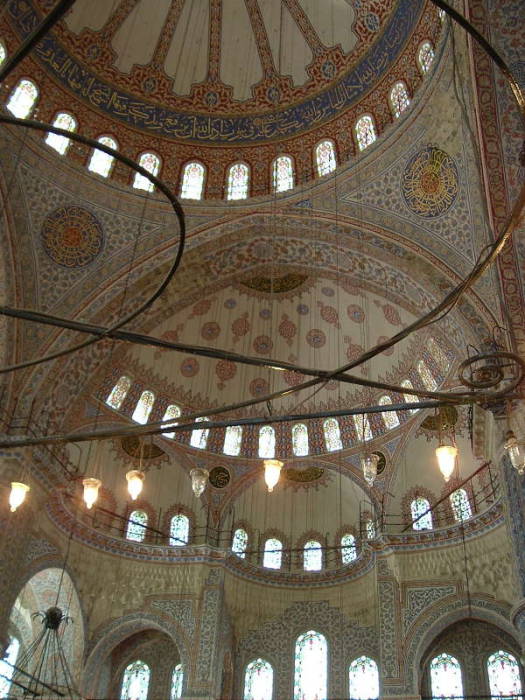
[(17, 495), (369, 464), (446, 457), (515, 455), (199, 480), (91, 487), (272, 472), (135, 483)]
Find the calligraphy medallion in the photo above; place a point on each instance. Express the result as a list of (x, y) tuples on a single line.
[(72, 236), (430, 182)]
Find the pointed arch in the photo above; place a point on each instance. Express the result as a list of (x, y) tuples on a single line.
[(445, 676), (23, 98), (150, 162), (325, 158), (63, 120), (102, 163), (193, 175), (363, 679), (258, 680), (238, 181), (135, 681), (504, 675)]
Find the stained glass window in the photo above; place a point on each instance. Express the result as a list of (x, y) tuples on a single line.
[(425, 56), (267, 442), (179, 530), (282, 174), (363, 679), (365, 132), (192, 181), (300, 440), (199, 436), (348, 549), (332, 435), (240, 542), (238, 180), (136, 530), (460, 505), (233, 440), (399, 99), (370, 530), (445, 677), (325, 158), (362, 426), (442, 14), (310, 680), (390, 417), (151, 163), (418, 507), (119, 393), (100, 162), (439, 355), (22, 99), (3, 53), (135, 682), (66, 121), (504, 675), (6, 667), (173, 411), (313, 556), (426, 376), (143, 407), (177, 679), (273, 553), (258, 680), (410, 398)]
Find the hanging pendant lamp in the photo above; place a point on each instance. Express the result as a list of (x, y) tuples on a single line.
[(446, 457), (91, 487), (18, 494), (272, 472), (369, 465), (514, 451), (199, 480)]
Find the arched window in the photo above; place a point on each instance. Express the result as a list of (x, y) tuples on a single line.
[(6, 666), (460, 505), (439, 355), (267, 442), (177, 679), (238, 181), (421, 507), (63, 120), (312, 556), (442, 14), (240, 542), (135, 681), (233, 440), (137, 522), (365, 131), (192, 181), (151, 163), (119, 393), (332, 435), (348, 549), (389, 417), (22, 99), (504, 675), (362, 427), (300, 440), (325, 158), (143, 407), (100, 162), (425, 56), (363, 677), (399, 99), (199, 436), (3, 53), (282, 174), (445, 677), (310, 681), (370, 529), (258, 680), (179, 530), (410, 398), (426, 376), (273, 553), (173, 411)]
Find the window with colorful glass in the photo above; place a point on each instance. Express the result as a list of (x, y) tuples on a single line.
[(238, 181), (399, 99), (240, 542), (100, 162), (363, 679), (173, 411), (119, 393), (439, 355), (66, 121), (365, 131), (23, 98), (135, 681), (177, 679), (179, 530), (192, 180), (362, 427), (6, 666), (300, 440), (233, 440), (410, 398), (273, 553), (137, 523), (199, 436), (426, 375), (143, 407), (390, 418), (460, 504), (425, 56), (312, 556), (332, 435), (258, 680), (348, 548), (445, 677), (421, 514), (504, 675), (3, 53), (311, 677), (151, 163), (325, 157), (267, 442), (282, 174), (370, 529)]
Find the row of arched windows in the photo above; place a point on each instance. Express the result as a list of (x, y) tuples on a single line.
[(135, 681), (138, 522), (23, 98)]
